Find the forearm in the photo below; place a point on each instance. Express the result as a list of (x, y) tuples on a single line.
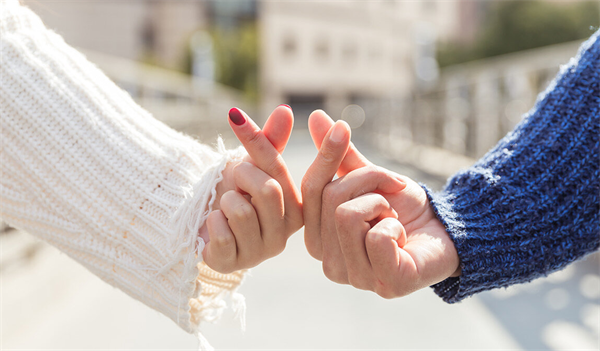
[(88, 170), (531, 205)]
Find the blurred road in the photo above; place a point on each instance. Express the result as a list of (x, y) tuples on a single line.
[(50, 302)]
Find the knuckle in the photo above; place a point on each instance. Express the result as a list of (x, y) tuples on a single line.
[(385, 293), (271, 190), (372, 170), (227, 198), (276, 168), (384, 290), (255, 138), (241, 168), (243, 212), (376, 239), (311, 185), (314, 248), (328, 154), (358, 281), (334, 273), (224, 242), (329, 192), (381, 232), (344, 220), (308, 186), (376, 172), (344, 212)]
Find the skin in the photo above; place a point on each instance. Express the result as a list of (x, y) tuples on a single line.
[(258, 207), (371, 228)]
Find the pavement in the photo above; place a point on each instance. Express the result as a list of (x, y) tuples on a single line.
[(49, 302)]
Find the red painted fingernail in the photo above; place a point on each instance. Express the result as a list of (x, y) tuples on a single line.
[(236, 116), (284, 105)]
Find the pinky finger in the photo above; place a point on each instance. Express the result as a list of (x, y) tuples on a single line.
[(383, 243), (220, 253)]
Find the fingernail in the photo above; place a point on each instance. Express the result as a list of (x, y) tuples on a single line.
[(284, 105), (337, 134), (236, 116)]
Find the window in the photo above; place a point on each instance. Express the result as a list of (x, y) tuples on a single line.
[(429, 6), (322, 49), (289, 45), (349, 51)]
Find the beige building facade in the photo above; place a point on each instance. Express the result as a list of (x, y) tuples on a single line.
[(152, 31), (334, 54)]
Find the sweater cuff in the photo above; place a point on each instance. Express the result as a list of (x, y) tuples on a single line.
[(473, 276), (203, 289), (449, 288)]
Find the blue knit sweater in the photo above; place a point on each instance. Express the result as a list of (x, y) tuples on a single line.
[(531, 205)]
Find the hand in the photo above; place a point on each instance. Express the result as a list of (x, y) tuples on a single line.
[(372, 228), (260, 206)]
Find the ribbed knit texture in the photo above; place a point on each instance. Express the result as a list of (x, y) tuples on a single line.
[(84, 168), (531, 205)]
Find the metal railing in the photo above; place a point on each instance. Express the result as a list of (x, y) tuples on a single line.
[(470, 108)]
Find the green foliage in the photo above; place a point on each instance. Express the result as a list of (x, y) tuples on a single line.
[(236, 58), (513, 26)]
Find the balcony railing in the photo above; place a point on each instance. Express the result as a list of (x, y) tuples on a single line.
[(470, 108)]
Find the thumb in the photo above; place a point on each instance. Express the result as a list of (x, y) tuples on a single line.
[(319, 124), (320, 173)]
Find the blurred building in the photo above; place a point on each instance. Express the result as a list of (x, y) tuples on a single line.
[(337, 53), (229, 14), (141, 45), (471, 15), (313, 54), (152, 31), (371, 63)]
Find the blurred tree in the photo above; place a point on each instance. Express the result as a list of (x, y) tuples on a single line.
[(513, 26), (236, 57)]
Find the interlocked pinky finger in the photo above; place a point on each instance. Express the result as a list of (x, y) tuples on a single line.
[(220, 253), (352, 220), (243, 223)]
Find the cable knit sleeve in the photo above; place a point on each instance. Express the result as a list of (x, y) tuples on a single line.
[(89, 171), (531, 205)]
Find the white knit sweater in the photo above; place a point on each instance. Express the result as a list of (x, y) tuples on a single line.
[(86, 169)]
